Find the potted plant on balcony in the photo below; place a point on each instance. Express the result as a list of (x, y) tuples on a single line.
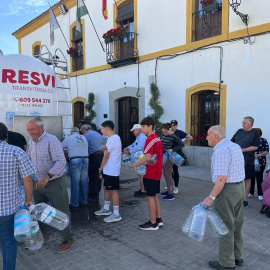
[(208, 5), (115, 34), (73, 52), (108, 36)]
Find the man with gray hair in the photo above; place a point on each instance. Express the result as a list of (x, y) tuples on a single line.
[(77, 148), (249, 140), (95, 141), (227, 196), (46, 153)]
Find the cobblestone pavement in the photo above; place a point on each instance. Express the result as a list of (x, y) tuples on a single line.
[(122, 245)]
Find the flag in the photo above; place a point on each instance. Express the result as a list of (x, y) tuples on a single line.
[(81, 11), (104, 9), (53, 25)]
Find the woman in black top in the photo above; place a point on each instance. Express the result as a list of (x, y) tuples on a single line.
[(260, 153), (168, 138)]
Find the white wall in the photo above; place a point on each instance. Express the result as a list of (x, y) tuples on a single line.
[(258, 11)]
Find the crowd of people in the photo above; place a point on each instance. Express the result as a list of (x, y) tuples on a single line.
[(92, 163)]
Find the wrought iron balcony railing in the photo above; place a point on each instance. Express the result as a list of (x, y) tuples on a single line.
[(207, 23), (122, 50)]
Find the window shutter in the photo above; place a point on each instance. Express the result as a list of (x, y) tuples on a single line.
[(125, 12)]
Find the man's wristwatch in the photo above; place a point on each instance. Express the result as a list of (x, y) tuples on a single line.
[(212, 197), (50, 175)]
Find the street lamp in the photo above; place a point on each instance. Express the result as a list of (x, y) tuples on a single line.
[(235, 4)]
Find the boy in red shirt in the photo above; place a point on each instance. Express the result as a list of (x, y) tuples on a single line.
[(151, 179)]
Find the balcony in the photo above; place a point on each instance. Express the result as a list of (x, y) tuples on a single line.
[(122, 50), (207, 23)]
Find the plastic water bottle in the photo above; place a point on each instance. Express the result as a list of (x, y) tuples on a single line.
[(186, 225), (36, 241), (198, 224), (22, 225), (141, 170), (176, 159), (152, 161), (126, 159), (218, 226), (257, 165), (49, 215), (165, 159)]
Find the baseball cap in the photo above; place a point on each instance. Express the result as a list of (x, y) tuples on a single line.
[(174, 122), (136, 126)]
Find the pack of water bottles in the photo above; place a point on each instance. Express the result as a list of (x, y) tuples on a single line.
[(176, 158), (257, 165), (126, 158), (195, 224), (26, 228)]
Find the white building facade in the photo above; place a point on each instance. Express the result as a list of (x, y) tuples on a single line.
[(208, 65)]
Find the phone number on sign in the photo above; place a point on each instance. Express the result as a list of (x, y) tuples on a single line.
[(36, 100)]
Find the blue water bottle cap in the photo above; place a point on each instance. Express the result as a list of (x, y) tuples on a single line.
[(23, 207)]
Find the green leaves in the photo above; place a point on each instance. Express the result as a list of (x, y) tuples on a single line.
[(154, 103)]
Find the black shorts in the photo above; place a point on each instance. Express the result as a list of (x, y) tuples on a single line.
[(152, 187), (249, 167), (249, 171), (111, 182)]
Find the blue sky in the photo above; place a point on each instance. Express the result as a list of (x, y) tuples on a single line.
[(13, 15)]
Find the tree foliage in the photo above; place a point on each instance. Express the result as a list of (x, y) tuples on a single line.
[(154, 103), (89, 108)]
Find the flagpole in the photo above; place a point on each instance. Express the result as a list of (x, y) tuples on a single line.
[(59, 26), (93, 27)]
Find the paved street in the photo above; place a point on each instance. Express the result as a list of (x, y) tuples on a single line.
[(122, 245)]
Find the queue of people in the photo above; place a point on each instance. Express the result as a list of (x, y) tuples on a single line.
[(90, 161)]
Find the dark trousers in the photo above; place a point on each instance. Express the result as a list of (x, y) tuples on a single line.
[(8, 242), (175, 175), (56, 192), (94, 181), (259, 178)]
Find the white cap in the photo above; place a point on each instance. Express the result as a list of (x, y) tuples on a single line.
[(136, 126)]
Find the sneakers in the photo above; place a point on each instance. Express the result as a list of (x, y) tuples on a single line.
[(65, 246), (264, 207), (112, 218), (260, 198), (168, 198), (164, 193), (250, 195), (139, 193), (159, 222), (148, 226), (175, 190), (245, 204), (103, 212)]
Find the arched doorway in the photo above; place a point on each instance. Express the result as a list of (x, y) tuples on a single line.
[(205, 107), (78, 112), (128, 115), (205, 112)]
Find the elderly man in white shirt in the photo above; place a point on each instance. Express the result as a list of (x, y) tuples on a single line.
[(227, 195)]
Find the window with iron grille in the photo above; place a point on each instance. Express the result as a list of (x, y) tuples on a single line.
[(205, 112), (77, 42), (207, 20), (36, 51)]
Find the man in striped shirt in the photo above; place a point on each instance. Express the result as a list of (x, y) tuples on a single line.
[(46, 153), (14, 163), (228, 195)]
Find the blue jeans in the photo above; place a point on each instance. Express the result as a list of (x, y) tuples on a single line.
[(78, 168), (8, 242)]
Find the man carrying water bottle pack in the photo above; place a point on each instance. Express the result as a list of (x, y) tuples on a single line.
[(227, 195), (13, 163), (46, 153)]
